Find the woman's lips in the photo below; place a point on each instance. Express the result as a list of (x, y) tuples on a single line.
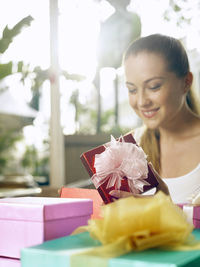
[(149, 113)]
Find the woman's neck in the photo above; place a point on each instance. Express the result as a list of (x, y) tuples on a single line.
[(180, 127)]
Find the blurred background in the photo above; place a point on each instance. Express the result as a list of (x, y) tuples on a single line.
[(62, 86)]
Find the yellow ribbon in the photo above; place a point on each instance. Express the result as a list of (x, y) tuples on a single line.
[(135, 224)]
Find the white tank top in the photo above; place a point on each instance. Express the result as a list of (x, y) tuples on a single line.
[(184, 187), (181, 188)]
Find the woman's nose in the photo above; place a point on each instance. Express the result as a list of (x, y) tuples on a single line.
[(143, 99)]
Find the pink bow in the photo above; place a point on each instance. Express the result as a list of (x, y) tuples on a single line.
[(118, 160)]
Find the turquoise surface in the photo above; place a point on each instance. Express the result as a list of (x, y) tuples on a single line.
[(56, 253)]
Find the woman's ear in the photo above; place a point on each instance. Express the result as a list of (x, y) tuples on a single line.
[(188, 81)]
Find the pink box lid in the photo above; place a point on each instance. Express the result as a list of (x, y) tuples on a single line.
[(9, 262), (43, 208)]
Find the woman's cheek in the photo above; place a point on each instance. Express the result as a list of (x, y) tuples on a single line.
[(133, 103)]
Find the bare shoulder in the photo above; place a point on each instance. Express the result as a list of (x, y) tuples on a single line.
[(192, 140), (196, 128), (190, 130)]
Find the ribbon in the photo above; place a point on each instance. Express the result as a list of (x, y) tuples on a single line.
[(189, 212), (194, 201), (119, 160), (140, 224)]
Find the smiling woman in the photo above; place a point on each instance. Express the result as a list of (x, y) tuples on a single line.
[(151, 90), (159, 82)]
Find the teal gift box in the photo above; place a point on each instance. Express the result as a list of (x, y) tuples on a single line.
[(57, 252), (61, 253)]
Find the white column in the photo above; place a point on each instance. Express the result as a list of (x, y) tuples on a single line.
[(57, 158)]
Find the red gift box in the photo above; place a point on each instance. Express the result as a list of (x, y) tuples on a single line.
[(192, 213), (88, 160)]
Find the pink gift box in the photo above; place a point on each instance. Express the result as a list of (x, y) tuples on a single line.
[(192, 212), (28, 221), (9, 262)]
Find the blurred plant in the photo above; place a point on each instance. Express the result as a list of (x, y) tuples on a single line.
[(8, 139), (32, 159), (5, 41), (182, 11), (72, 77), (37, 77), (79, 108), (35, 162), (9, 34), (107, 119)]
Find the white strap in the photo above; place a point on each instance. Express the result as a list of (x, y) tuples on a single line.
[(188, 210)]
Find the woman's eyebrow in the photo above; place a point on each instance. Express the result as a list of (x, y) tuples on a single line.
[(154, 78), (129, 83), (146, 81)]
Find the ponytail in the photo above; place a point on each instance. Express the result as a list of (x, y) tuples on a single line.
[(193, 102)]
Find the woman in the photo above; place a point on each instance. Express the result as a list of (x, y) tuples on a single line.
[(159, 83)]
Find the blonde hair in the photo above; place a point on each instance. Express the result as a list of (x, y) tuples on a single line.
[(177, 61)]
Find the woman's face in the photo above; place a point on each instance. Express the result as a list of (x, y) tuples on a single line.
[(155, 94)]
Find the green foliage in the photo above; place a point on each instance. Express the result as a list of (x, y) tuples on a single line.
[(73, 77), (181, 11), (79, 108), (107, 116), (40, 77), (35, 164), (31, 160), (9, 34), (5, 41), (37, 76), (30, 156), (7, 142), (8, 138), (5, 70)]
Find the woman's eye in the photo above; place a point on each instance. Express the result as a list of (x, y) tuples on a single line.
[(132, 91), (155, 87)]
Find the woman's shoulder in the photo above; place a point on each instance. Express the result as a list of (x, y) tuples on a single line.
[(194, 126), (137, 133)]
